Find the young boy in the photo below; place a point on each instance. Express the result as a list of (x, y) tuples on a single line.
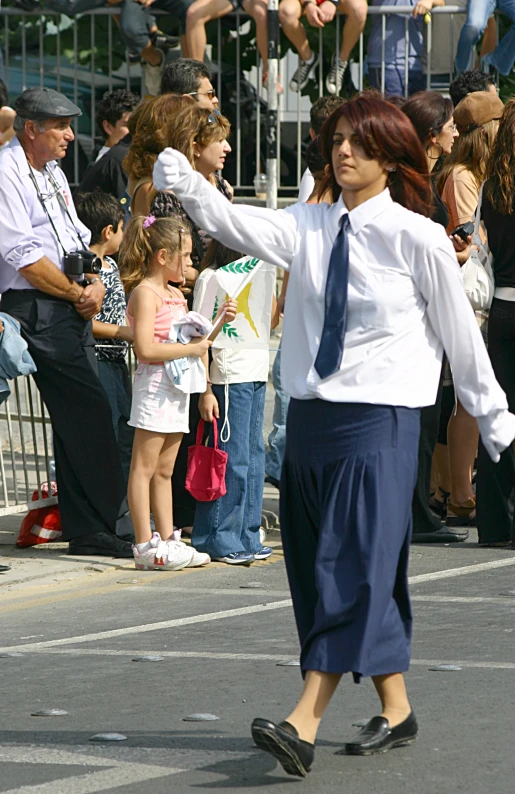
[(103, 215)]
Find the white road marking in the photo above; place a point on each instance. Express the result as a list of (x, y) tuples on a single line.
[(146, 627), (446, 599), (252, 657), (117, 773), (449, 573)]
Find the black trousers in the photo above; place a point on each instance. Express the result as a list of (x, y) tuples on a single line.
[(495, 481), (88, 470), (424, 520)]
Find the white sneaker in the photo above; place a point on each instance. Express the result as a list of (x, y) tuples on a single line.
[(152, 75), (163, 555), (199, 558)]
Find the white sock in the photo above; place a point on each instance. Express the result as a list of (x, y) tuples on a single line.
[(142, 547), (310, 60)]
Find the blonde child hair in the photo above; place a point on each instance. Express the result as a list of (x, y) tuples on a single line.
[(143, 237)]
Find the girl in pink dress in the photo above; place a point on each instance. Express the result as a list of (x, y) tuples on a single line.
[(154, 253)]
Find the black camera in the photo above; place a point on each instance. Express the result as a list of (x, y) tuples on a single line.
[(76, 263)]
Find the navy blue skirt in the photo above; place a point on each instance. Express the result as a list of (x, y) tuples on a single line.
[(346, 490)]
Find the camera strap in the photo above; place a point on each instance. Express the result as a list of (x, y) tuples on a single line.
[(62, 204)]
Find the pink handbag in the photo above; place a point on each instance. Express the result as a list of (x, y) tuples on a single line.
[(205, 478)]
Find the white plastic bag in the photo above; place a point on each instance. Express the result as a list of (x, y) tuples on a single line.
[(477, 273)]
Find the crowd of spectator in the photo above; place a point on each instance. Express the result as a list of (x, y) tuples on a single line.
[(396, 45)]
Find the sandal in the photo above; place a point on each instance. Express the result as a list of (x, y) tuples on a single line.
[(439, 506), (463, 515)]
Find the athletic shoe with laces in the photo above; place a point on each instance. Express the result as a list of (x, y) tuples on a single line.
[(236, 558), (334, 79), (264, 553), (152, 75), (304, 72), (163, 555)]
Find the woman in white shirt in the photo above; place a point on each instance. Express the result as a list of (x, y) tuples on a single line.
[(353, 423)]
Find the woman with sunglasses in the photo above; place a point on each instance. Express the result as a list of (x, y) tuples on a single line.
[(374, 294)]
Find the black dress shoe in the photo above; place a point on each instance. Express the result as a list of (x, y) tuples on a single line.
[(282, 741), (103, 543), (4, 568), (378, 737), (443, 535)]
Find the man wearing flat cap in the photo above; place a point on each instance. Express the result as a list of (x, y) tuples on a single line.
[(38, 228)]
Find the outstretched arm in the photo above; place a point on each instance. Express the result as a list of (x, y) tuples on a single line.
[(453, 320), (266, 234)]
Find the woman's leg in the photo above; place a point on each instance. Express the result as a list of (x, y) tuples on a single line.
[(161, 501), (393, 696), (317, 693), (145, 455), (462, 438)]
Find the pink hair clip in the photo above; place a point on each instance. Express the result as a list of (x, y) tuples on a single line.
[(149, 220)]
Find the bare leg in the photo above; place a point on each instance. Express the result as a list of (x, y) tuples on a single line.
[(356, 11), (198, 15), (489, 42), (393, 696), (290, 12), (145, 455), (463, 437), (161, 486), (257, 9), (318, 690)]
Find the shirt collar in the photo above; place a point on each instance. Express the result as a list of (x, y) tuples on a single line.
[(366, 212)]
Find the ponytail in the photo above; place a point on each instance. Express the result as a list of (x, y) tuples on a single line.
[(142, 239)]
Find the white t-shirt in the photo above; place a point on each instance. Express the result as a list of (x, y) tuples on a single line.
[(233, 364)]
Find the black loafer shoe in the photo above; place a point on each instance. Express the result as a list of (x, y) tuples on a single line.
[(378, 737), (282, 741), (443, 535), (4, 568), (102, 543)]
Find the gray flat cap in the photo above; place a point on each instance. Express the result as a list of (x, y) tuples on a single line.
[(45, 103)]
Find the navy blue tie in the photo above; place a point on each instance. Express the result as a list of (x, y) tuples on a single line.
[(330, 352)]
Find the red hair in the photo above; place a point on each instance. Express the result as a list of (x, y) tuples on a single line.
[(387, 135)]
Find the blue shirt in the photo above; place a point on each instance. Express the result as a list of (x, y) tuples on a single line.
[(26, 233), (395, 45)]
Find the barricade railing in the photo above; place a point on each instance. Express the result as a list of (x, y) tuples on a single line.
[(25, 449), (34, 54)]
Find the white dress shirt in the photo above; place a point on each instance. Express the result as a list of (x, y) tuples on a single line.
[(406, 301), (26, 233), (307, 185)]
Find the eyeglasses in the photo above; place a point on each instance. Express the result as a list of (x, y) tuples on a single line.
[(211, 94)]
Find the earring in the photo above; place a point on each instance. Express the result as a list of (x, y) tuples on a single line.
[(430, 146), (391, 169)]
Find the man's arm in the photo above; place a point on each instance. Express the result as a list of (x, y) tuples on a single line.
[(45, 276)]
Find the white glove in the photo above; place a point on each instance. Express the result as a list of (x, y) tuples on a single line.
[(497, 432), (171, 165)]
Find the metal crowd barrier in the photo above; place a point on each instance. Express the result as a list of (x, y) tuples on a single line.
[(34, 54), (25, 449)]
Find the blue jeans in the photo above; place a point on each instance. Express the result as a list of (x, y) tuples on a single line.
[(277, 438), (231, 523), (478, 13), (114, 377), (394, 80)]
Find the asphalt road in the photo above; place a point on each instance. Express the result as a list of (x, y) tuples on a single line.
[(220, 644)]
